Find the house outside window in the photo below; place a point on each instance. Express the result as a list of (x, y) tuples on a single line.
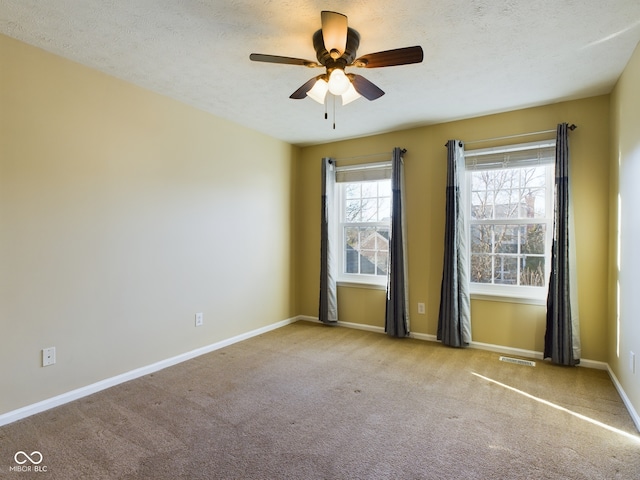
[(365, 223), (510, 205)]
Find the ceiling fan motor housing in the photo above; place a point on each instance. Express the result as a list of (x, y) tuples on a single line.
[(347, 58)]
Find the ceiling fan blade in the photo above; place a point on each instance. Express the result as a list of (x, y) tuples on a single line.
[(364, 87), (259, 57), (334, 33), (301, 93), (391, 58)]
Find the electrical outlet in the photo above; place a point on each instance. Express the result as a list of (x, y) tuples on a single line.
[(48, 356), (632, 362), (421, 308), (199, 319)]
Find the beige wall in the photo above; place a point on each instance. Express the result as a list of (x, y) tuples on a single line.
[(624, 315), (507, 324), (122, 214)]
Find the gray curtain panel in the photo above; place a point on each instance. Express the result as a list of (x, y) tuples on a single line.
[(454, 319), (328, 311), (561, 340), (397, 306)]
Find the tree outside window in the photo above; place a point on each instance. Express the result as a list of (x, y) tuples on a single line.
[(509, 222)]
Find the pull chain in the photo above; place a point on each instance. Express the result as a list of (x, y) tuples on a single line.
[(326, 107), (334, 112)]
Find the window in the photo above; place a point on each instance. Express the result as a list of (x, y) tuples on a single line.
[(510, 205), (365, 222)]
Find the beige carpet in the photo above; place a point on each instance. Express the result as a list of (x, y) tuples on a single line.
[(308, 401)]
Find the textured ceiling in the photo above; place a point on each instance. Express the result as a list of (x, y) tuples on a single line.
[(481, 56)]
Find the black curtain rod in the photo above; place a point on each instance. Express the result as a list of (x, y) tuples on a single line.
[(571, 127)]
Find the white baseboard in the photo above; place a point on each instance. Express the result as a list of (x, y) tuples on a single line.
[(78, 393), (634, 415), (423, 336), (533, 354), (479, 345), (360, 326), (520, 352), (508, 351)]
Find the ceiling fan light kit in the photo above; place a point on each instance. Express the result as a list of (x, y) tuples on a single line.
[(350, 95), (319, 91), (338, 82), (336, 45)]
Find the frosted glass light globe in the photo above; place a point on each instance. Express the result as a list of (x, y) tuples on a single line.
[(319, 91), (338, 82)]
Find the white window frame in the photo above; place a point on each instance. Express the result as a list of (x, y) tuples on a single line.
[(358, 174), (513, 293)]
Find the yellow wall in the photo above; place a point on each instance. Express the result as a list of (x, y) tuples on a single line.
[(624, 315), (122, 214), (507, 324)]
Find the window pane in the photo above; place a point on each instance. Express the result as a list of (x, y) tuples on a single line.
[(384, 209), (505, 185), (506, 203), (506, 270), (353, 210), (352, 190), (383, 239), (479, 180), (384, 188), (369, 189), (508, 178), (533, 238), (533, 197), (530, 204), (532, 271), (352, 237), (367, 238), (351, 260), (369, 210), (481, 268), (506, 239), (367, 262), (481, 196), (481, 238), (382, 263), (536, 202)]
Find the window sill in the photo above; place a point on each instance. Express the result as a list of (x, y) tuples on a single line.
[(352, 284), (508, 299)]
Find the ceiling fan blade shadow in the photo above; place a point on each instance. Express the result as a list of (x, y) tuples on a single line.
[(391, 58), (301, 93), (334, 33), (259, 57), (364, 87)]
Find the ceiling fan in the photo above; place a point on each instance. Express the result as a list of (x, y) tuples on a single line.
[(336, 45)]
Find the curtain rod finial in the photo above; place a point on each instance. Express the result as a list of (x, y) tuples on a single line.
[(572, 127)]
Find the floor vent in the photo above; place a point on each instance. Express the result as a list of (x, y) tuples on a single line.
[(518, 361)]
